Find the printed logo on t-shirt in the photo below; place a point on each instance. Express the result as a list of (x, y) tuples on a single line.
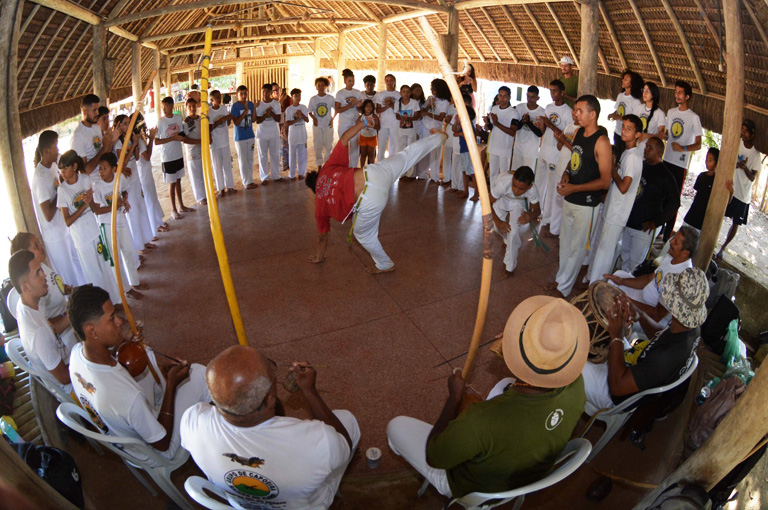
[(678, 128), (95, 418), (621, 109), (79, 199), (250, 485), (97, 143), (554, 419), (554, 118), (644, 120), (322, 110), (172, 130), (254, 462), (90, 388), (59, 282), (576, 159), (640, 188)]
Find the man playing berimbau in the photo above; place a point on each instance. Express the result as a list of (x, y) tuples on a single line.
[(343, 192)]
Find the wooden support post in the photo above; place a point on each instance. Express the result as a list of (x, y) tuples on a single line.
[(590, 19), (382, 55), (98, 46), (11, 151), (136, 73), (156, 85), (341, 59), (316, 52), (452, 51), (240, 73), (168, 76), (732, 117), (191, 78)]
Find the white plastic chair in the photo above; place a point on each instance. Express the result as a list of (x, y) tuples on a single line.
[(73, 417), (571, 458), (195, 485), (615, 417), (16, 354), (11, 300)]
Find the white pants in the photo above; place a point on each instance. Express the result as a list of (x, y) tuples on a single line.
[(635, 245), (405, 138), (387, 142), (379, 179), (354, 144), (596, 387), (513, 240), (297, 159), (634, 294), (606, 250), (547, 179), (195, 167), (59, 253), (519, 159), (129, 262), (323, 141), (457, 177), (151, 202), (97, 270), (138, 220), (244, 150), (433, 164), (448, 161), (498, 165), (578, 223), (221, 159), (269, 157)]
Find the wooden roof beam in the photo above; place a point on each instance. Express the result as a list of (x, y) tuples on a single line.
[(686, 46), (39, 58), (612, 33), (415, 51), (29, 18), (244, 45), (649, 42), (472, 4), (543, 34), (755, 21), (482, 34), (564, 34), (202, 4), (256, 38), (472, 43), (498, 34), (420, 40), (54, 81), (513, 21), (710, 27), (34, 42)]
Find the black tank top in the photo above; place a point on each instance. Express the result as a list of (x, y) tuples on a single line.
[(584, 168)]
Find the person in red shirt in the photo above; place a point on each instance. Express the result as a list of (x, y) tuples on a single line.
[(342, 192)]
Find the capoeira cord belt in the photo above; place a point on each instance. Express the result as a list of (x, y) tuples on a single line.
[(355, 209), (536, 238), (103, 245)]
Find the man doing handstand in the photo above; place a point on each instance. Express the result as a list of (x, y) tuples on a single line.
[(342, 191)]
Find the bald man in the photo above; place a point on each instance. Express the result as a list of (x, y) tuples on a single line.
[(245, 445)]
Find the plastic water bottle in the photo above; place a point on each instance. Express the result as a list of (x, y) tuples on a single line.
[(8, 426), (706, 391)]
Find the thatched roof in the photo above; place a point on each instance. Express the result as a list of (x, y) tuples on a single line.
[(520, 41)]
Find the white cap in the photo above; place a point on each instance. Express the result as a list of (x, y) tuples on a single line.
[(566, 60)]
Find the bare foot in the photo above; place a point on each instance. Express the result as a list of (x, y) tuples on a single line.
[(184, 208), (233, 190), (301, 177), (221, 193), (176, 216), (204, 201), (150, 246), (141, 286), (507, 274), (263, 183), (376, 270), (163, 228), (135, 294)]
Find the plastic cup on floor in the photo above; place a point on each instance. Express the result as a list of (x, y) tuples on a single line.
[(373, 456)]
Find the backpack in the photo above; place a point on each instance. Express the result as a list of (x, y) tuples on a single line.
[(56, 467), (9, 321), (682, 497), (714, 331)]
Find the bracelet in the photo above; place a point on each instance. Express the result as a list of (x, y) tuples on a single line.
[(169, 414), (617, 339), (365, 121)]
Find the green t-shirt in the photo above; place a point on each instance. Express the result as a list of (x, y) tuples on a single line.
[(508, 441), (571, 87)]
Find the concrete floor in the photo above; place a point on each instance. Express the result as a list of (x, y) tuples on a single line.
[(389, 341)]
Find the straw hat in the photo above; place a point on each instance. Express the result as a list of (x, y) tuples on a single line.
[(546, 342), (685, 295)]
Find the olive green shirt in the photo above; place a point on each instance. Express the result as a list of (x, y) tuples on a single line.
[(508, 441), (571, 87)]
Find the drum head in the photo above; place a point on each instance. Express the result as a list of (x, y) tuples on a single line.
[(602, 296)]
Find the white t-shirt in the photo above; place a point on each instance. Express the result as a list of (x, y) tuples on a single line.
[(682, 127), (500, 143), (321, 108), (44, 184), (84, 229), (297, 132), (659, 119), (527, 142), (269, 128), (166, 128), (560, 116), (102, 195), (742, 186), (192, 128), (55, 302), (652, 292), (44, 349), (348, 117), (441, 106), (387, 117), (282, 463), (87, 141), (410, 109), (625, 104), (506, 201), (117, 403), (220, 133), (617, 205)]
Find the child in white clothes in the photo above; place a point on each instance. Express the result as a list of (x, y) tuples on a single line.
[(268, 114), (296, 118), (221, 157), (320, 107)]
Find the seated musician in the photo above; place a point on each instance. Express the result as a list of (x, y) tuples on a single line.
[(246, 445), (514, 437), (645, 290), (119, 405), (43, 347), (655, 362)]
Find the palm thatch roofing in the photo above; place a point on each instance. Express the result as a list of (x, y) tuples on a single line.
[(517, 41)]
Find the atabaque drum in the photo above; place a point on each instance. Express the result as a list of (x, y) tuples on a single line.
[(595, 303)]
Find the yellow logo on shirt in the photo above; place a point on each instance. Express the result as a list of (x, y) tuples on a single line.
[(97, 143), (251, 485), (322, 110), (621, 110), (575, 162), (59, 282), (677, 128), (644, 120)]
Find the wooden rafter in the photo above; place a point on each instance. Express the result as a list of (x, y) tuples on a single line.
[(612, 33), (40, 32), (563, 33), (541, 32), (649, 42), (39, 59), (29, 19), (755, 21), (472, 4), (710, 27), (519, 32), (472, 43), (686, 45), (410, 40), (498, 33), (63, 65), (482, 34), (458, 42), (367, 10), (424, 51)]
